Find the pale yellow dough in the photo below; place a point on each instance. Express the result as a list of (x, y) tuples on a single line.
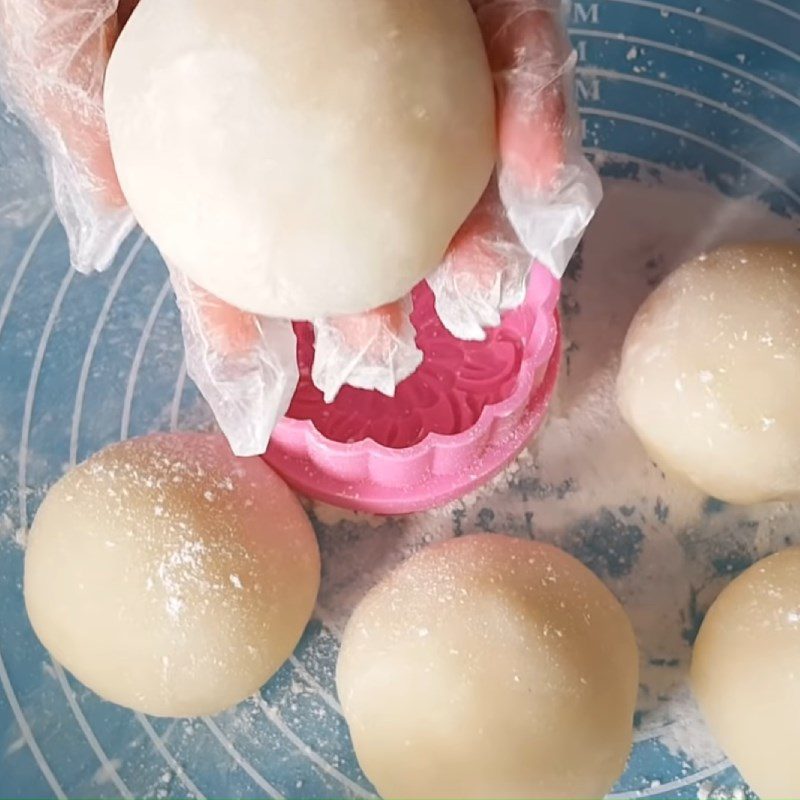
[(302, 158), (490, 667), (746, 673), (170, 577), (710, 373)]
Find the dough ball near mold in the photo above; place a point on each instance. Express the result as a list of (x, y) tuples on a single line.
[(169, 576), (746, 673), (710, 372), (489, 666), (296, 159)]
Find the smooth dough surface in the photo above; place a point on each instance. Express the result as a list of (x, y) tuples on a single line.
[(746, 673), (710, 372), (170, 577), (490, 667), (302, 158)]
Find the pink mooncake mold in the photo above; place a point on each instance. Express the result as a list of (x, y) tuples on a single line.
[(455, 423)]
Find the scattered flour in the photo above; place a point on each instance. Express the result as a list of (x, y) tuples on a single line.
[(106, 772)]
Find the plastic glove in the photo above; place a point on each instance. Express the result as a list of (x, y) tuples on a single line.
[(375, 350), (244, 365), (53, 56), (484, 272), (546, 184), (548, 192)]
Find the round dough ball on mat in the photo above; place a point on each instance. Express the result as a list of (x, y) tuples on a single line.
[(710, 373), (746, 673), (488, 666), (169, 576), (302, 158)]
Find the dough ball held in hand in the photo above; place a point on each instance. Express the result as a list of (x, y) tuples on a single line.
[(710, 373), (170, 577), (489, 666), (297, 159), (746, 673)]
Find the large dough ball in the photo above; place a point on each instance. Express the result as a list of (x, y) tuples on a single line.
[(710, 374), (746, 673), (169, 576), (300, 158), (489, 666)]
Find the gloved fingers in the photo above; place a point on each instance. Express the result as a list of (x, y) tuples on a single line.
[(53, 58), (56, 55), (548, 188), (484, 272), (244, 365), (374, 350), (528, 52)]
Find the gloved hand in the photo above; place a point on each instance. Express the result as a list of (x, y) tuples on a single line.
[(54, 57), (546, 192), (52, 62)]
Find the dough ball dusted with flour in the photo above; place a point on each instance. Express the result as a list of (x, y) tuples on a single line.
[(488, 666), (298, 158), (710, 373), (169, 576), (746, 673)]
